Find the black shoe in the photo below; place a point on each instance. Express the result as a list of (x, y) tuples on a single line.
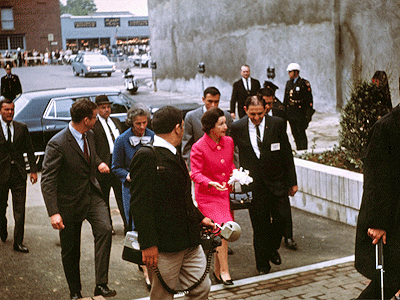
[(226, 282), (230, 251), (275, 258), (103, 290), (218, 280), (21, 248), (290, 244), (263, 271), (75, 296)]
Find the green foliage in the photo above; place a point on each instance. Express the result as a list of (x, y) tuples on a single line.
[(337, 157), (365, 107), (78, 7)]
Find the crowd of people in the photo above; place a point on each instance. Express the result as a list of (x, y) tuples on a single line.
[(151, 173)]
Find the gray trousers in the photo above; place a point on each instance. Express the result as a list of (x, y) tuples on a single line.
[(184, 267), (99, 218)]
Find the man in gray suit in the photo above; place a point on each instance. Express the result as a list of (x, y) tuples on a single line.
[(72, 194), (193, 128)]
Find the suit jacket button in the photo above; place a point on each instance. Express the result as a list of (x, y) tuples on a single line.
[(219, 147), (222, 161)]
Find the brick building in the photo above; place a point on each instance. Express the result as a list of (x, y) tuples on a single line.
[(28, 24)]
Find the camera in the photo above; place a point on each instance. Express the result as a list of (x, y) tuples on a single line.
[(210, 241)]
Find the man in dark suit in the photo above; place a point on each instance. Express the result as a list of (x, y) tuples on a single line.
[(243, 88), (298, 102), (265, 151), (274, 109), (165, 217), (72, 194), (106, 130), (10, 84), (379, 216), (14, 142), (193, 127)]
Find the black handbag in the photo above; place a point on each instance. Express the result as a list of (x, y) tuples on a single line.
[(132, 252), (240, 199)]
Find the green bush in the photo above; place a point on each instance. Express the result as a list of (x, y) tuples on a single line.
[(365, 107)]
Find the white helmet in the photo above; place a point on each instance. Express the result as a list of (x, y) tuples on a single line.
[(293, 67), (231, 231)]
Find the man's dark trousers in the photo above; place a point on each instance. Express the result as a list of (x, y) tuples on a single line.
[(267, 226), (106, 182), (17, 184), (70, 238)]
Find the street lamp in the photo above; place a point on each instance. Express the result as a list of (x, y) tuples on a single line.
[(153, 66), (202, 70)]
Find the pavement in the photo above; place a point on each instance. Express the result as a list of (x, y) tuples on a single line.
[(321, 268)]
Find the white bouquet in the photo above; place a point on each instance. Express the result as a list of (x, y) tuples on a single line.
[(241, 176)]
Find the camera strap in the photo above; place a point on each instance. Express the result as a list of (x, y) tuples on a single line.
[(196, 284)]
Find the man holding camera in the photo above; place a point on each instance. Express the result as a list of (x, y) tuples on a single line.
[(165, 217)]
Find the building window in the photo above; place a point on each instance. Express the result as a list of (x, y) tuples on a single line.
[(7, 18), (16, 41)]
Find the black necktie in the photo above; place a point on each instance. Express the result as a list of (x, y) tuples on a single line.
[(112, 134), (9, 134), (247, 86), (85, 147), (259, 142)]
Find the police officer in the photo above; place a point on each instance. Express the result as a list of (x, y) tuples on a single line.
[(10, 84), (299, 105)]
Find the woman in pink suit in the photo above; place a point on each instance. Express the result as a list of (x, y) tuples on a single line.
[(212, 164)]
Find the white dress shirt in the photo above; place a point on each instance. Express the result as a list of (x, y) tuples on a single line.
[(4, 127), (114, 130), (253, 135), (78, 137), (160, 142), (247, 83)]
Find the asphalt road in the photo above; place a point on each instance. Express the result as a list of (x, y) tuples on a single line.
[(39, 274)]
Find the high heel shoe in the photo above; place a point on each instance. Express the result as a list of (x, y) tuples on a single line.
[(148, 284), (226, 282), (218, 280)]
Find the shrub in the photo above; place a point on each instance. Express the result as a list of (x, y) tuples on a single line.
[(365, 107)]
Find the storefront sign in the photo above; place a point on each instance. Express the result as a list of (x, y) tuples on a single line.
[(112, 22), (85, 24), (138, 23)]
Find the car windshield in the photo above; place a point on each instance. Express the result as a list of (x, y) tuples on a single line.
[(20, 103), (95, 59)]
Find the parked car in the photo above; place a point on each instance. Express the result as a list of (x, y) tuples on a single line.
[(143, 59), (47, 112), (92, 63)]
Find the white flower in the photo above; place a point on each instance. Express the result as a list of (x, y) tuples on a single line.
[(241, 176)]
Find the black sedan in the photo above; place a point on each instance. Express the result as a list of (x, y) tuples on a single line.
[(47, 112)]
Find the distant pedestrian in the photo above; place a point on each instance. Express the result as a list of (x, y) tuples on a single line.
[(72, 194), (10, 84), (244, 87), (299, 105), (14, 142)]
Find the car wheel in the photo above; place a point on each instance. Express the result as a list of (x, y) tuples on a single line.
[(74, 71), (109, 74), (84, 74)]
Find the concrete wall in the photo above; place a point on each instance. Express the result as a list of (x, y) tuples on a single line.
[(335, 42), (327, 191)]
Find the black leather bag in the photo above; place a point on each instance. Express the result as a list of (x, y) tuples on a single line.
[(132, 252), (240, 199)]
